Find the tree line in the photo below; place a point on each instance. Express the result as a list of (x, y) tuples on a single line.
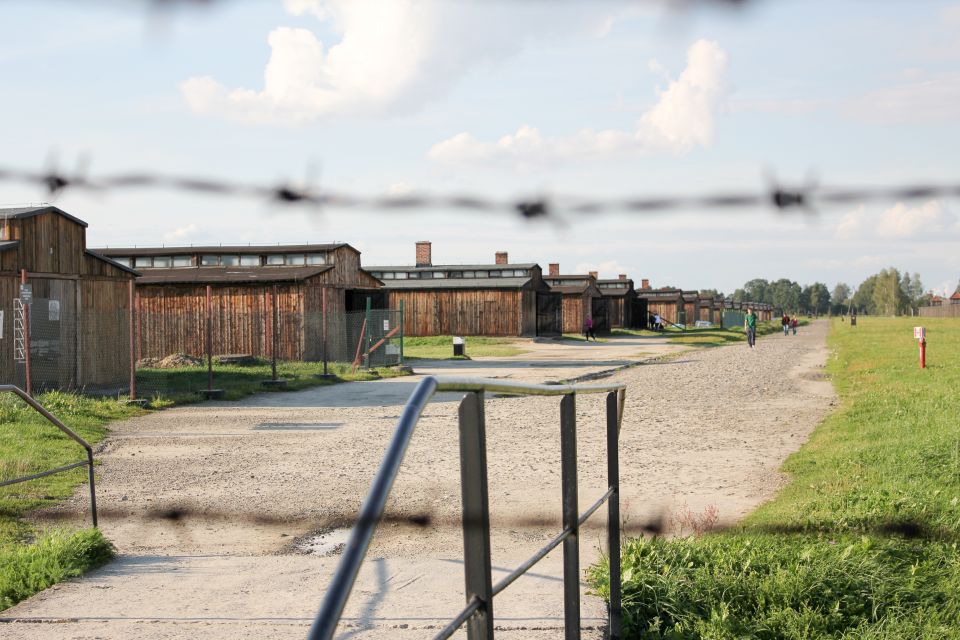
[(888, 292)]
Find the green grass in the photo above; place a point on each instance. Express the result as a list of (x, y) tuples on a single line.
[(863, 541), (635, 332), (715, 336), (578, 337), (29, 444), (441, 347), (166, 387), (26, 569)]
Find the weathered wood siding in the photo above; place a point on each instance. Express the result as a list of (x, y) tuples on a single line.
[(172, 319), (469, 312), (49, 244)]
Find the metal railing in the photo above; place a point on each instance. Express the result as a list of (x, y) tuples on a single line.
[(478, 612), (9, 388)]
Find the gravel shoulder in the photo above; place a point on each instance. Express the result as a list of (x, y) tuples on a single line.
[(240, 484)]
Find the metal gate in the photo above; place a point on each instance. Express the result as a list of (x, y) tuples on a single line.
[(638, 313), (375, 337), (600, 312), (549, 314)]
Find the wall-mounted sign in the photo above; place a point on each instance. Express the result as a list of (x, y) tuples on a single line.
[(26, 293)]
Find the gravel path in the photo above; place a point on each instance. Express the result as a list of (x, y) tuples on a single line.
[(703, 432)]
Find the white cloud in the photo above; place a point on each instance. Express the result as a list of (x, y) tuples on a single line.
[(682, 118), (929, 219), (393, 55), (918, 97), (608, 269), (853, 224), (181, 232)]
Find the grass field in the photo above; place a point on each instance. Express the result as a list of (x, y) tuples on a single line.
[(441, 347), (32, 560), (863, 541), (166, 387)]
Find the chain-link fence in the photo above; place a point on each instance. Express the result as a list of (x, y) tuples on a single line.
[(152, 354)]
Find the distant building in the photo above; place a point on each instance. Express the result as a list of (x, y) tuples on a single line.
[(581, 298), (79, 314), (308, 279), (485, 299)]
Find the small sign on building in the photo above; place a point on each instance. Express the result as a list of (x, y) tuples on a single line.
[(26, 293), (53, 310)]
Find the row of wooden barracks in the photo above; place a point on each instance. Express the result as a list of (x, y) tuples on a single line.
[(92, 292)]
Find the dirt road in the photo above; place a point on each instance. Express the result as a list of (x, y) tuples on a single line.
[(212, 506)]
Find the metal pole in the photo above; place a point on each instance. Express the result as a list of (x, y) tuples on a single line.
[(273, 337), (26, 336), (476, 515), (93, 492), (209, 341), (613, 511), (324, 305), (401, 331), (571, 516), (133, 359), (369, 331)]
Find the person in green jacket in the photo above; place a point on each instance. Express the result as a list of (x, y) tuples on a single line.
[(750, 327)]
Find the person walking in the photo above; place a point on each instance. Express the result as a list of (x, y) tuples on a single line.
[(588, 329), (793, 325), (657, 322), (750, 327), (785, 323)]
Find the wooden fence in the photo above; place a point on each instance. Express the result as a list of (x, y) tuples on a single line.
[(946, 311)]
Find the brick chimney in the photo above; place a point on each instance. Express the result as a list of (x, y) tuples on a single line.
[(595, 274), (554, 269), (623, 276), (424, 258), (501, 257), (644, 284)]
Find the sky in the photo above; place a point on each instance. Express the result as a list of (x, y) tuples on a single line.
[(505, 100)]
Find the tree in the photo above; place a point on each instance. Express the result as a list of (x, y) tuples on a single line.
[(739, 295), (888, 296), (863, 298), (784, 294), (819, 298), (841, 296), (756, 290), (710, 293)]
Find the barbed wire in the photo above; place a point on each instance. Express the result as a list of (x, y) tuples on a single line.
[(784, 199)]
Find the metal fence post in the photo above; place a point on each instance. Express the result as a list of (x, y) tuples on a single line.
[(613, 511), (324, 298), (209, 341), (369, 332), (571, 516), (133, 355), (93, 492), (26, 336), (401, 332), (476, 514), (275, 326)]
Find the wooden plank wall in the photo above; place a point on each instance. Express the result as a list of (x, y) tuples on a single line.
[(49, 243), (666, 308), (469, 312), (576, 306), (172, 319), (104, 332), (617, 312)]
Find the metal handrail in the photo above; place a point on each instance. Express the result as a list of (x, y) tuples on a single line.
[(9, 388), (479, 590)]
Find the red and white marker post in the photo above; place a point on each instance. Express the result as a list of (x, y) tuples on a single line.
[(920, 333)]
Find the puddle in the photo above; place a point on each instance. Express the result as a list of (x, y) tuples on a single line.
[(297, 426), (322, 543)]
